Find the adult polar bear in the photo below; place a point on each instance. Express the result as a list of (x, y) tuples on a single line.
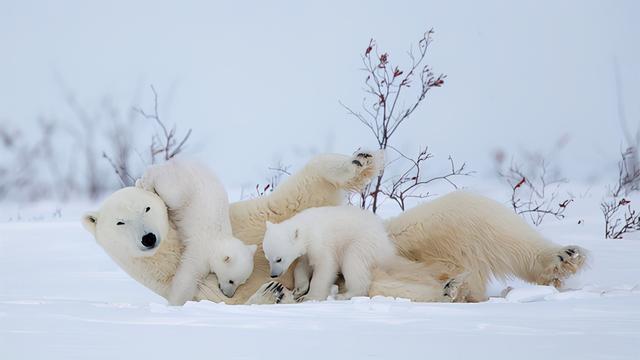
[(457, 233)]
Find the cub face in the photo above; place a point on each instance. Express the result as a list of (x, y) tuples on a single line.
[(280, 247), (233, 265), (131, 222)]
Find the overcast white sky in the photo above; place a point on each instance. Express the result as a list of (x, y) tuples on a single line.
[(258, 81)]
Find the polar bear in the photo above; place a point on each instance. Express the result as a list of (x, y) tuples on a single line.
[(324, 181), (457, 233), (338, 239), (199, 207), (334, 239)]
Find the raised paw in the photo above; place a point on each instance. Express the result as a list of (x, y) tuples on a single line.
[(365, 158), (367, 164)]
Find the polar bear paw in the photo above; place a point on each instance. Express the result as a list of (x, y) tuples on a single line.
[(367, 164), (561, 264), (272, 292), (300, 291), (144, 183), (454, 289)]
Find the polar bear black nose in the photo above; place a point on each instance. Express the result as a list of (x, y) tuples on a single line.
[(149, 240)]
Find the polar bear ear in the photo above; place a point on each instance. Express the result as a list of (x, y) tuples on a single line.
[(253, 248), (89, 221)]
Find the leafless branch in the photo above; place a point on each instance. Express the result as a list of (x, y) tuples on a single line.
[(165, 144), (619, 217), (409, 185), (384, 111), (537, 196), (277, 173)]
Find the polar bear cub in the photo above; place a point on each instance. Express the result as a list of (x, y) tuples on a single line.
[(198, 203), (331, 240)]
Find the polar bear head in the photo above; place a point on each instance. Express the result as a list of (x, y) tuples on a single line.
[(233, 264), (131, 220), (281, 246)]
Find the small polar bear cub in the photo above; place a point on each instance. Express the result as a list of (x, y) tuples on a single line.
[(331, 240), (198, 203)]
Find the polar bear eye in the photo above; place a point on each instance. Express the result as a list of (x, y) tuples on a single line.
[(279, 260), (119, 223), (231, 282), (147, 209)]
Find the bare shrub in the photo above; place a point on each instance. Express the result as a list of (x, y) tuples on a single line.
[(84, 128), (392, 95), (619, 217), (30, 168), (273, 179), (631, 156), (164, 144), (60, 156), (410, 184), (536, 194)]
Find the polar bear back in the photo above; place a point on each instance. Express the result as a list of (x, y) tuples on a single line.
[(342, 229)]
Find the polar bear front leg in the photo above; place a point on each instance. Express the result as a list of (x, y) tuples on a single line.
[(324, 276), (301, 277), (184, 285), (357, 276)]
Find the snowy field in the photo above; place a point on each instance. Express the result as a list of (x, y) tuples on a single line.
[(61, 297)]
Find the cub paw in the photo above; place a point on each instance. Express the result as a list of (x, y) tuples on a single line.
[(144, 184), (308, 297), (300, 291), (343, 297)]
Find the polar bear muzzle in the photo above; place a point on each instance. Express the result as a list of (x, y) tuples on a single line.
[(149, 241)]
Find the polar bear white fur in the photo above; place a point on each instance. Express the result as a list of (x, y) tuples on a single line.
[(455, 234), (322, 182), (334, 239), (351, 241), (199, 207), (463, 232)]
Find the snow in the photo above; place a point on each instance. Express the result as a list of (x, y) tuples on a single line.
[(62, 297)]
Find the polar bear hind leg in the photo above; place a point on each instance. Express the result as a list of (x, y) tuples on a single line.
[(357, 276), (553, 266)]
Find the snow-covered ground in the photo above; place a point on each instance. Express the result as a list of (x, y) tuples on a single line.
[(61, 297)]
